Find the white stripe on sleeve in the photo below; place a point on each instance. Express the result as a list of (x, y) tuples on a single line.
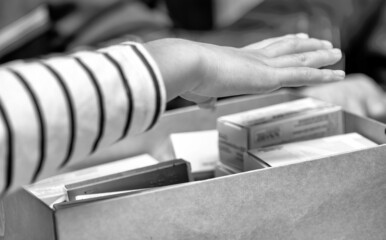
[(85, 109), (23, 121), (54, 111), (114, 97), (148, 91)]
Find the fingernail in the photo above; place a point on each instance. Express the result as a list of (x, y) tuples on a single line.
[(302, 35), (339, 73), (336, 51), (327, 44)]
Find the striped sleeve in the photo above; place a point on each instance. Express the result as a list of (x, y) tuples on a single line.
[(57, 111)]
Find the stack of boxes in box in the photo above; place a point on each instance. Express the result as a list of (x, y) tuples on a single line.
[(297, 120), (297, 152)]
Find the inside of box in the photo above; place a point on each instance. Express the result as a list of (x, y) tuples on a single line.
[(194, 119), (157, 141)]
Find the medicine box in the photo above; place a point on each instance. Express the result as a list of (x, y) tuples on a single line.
[(297, 152), (296, 120)]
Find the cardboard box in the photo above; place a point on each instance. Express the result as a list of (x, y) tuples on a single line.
[(51, 190), (297, 120), (162, 174), (339, 197), (297, 152)]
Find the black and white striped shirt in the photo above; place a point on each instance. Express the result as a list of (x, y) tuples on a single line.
[(60, 110)]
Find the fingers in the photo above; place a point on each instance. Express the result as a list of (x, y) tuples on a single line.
[(294, 45), (265, 43), (315, 59), (376, 105), (303, 76)]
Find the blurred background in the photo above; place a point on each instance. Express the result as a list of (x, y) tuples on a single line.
[(32, 28)]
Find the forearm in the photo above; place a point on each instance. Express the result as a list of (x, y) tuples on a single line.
[(180, 63), (60, 110)]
